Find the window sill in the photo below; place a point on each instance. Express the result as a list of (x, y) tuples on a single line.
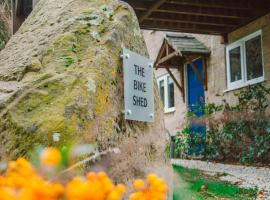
[(169, 110), (243, 85)]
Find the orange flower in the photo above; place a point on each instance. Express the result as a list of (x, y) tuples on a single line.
[(155, 188), (96, 186), (22, 182), (138, 184), (50, 156)]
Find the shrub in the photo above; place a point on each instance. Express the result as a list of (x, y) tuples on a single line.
[(238, 132)]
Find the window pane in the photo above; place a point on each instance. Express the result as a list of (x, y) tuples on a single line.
[(235, 64), (170, 93), (254, 58), (161, 90)]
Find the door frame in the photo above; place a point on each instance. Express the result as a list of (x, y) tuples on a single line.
[(186, 82), (187, 108)]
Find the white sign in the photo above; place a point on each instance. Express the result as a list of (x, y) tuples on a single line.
[(138, 87)]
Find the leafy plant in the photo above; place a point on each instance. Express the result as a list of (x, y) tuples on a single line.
[(68, 61), (235, 132), (181, 143), (74, 49)]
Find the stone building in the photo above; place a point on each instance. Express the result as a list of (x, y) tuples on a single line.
[(244, 60)]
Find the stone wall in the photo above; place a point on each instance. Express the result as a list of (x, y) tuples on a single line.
[(217, 84), (174, 121)]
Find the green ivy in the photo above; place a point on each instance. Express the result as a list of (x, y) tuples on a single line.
[(241, 133)]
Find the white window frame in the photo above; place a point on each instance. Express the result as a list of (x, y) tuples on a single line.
[(242, 44), (166, 101)]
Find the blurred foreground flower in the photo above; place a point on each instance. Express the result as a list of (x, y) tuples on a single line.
[(97, 186), (155, 188), (21, 181), (50, 156)]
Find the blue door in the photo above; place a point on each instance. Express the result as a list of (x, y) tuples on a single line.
[(196, 99)]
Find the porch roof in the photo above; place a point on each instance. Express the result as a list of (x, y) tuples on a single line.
[(187, 44), (217, 17), (178, 50)]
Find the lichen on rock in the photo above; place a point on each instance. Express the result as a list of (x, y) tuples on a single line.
[(64, 67)]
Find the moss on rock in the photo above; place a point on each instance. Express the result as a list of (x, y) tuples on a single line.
[(69, 81)]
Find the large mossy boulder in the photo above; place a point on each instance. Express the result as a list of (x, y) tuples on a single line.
[(61, 73)]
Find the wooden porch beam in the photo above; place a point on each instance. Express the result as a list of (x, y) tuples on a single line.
[(218, 15), (194, 19), (183, 27), (150, 9), (168, 57), (172, 47), (164, 67), (235, 5), (205, 67), (194, 11), (228, 4), (196, 71), (161, 51), (184, 30), (175, 81), (182, 78), (167, 47), (187, 25), (224, 39)]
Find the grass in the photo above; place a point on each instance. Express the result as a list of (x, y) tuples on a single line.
[(188, 186)]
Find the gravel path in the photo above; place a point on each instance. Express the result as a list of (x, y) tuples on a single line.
[(248, 177)]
